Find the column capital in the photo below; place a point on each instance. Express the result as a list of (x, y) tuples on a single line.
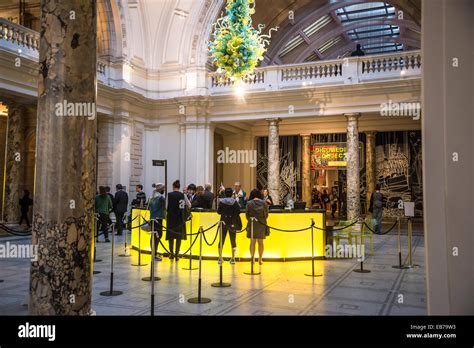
[(305, 135), (370, 133), (274, 120), (353, 115)]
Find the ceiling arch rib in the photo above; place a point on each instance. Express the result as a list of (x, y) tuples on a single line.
[(319, 40)]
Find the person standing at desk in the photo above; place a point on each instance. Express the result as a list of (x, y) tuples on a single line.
[(157, 207), (267, 198), (240, 195), (178, 205), (229, 210), (257, 208)]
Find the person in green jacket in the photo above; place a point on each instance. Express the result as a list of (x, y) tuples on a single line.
[(103, 206)]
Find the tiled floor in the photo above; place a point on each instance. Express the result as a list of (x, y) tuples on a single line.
[(281, 288)]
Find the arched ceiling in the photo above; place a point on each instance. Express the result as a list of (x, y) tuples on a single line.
[(166, 41), (327, 29)]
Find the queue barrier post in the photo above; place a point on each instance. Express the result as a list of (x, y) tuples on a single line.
[(190, 268), (400, 265), (312, 274), (410, 251), (362, 258), (220, 284), (139, 264), (252, 272), (200, 299), (112, 292), (126, 252), (153, 255), (96, 237), (96, 232)]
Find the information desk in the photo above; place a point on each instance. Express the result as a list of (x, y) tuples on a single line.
[(278, 245)]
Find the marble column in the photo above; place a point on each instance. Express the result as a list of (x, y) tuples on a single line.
[(370, 163), (14, 159), (306, 170), (353, 177), (273, 176), (61, 279)]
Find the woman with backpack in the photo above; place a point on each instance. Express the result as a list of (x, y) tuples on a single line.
[(229, 210)]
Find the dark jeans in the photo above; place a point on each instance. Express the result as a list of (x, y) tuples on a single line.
[(119, 222), (174, 251), (232, 236), (377, 215), (24, 216), (158, 226), (104, 224)]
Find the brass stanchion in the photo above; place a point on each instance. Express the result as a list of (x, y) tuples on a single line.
[(190, 268), (220, 284), (96, 230), (95, 260), (252, 256), (312, 274), (361, 269), (200, 299), (97, 238), (125, 252), (400, 265), (112, 292), (410, 252), (153, 255), (139, 242)]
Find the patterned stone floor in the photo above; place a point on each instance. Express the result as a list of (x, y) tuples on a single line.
[(281, 288)]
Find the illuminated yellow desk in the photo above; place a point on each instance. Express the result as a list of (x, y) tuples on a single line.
[(278, 245)]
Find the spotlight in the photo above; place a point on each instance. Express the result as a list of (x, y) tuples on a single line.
[(239, 91)]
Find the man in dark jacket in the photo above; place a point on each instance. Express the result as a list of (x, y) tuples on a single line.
[(376, 208), (208, 196), (25, 203), (229, 210), (120, 207), (358, 52)]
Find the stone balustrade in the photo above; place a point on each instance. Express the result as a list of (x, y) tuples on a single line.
[(25, 43), (329, 72), (19, 35)]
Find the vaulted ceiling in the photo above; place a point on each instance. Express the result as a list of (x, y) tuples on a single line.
[(172, 34), (311, 30)]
